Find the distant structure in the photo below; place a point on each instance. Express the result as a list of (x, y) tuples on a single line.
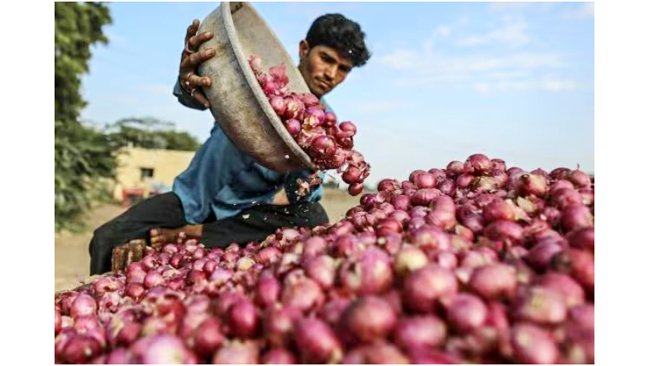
[(145, 172)]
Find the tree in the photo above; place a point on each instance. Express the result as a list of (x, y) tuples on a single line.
[(149, 133), (83, 155)]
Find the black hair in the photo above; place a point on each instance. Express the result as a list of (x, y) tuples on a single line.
[(337, 31)]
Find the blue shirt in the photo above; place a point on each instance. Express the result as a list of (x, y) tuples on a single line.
[(223, 180)]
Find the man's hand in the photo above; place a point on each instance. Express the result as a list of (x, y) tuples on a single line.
[(191, 59), (128, 253)]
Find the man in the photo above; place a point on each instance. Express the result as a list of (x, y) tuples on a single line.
[(224, 196)]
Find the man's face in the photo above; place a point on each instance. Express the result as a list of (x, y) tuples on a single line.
[(322, 67)]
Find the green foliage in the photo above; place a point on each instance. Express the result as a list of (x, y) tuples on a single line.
[(150, 133), (83, 155)]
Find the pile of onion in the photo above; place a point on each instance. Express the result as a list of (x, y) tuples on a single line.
[(472, 263)]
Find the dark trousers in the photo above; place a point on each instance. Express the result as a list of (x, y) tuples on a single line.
[(165, 211)]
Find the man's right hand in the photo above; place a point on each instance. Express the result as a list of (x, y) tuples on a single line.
[(190, 81)]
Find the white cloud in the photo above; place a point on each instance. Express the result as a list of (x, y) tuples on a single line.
[(421, 68), (442, 31), (527, 84), (556, 85), (482, 87), (511, 33), (585, 11)]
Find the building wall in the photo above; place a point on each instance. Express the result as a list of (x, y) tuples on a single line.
[(166, 165)]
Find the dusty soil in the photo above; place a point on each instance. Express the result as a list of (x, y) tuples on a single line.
[(72, 262)]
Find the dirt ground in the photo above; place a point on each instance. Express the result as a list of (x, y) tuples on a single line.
[(72, 261)]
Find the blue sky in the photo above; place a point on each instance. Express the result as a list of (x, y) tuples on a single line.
[(511, 80)]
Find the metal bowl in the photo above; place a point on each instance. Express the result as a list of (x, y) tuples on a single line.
[(238, 103)]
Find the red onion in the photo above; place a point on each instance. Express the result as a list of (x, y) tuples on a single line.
[(80, 348), (532, 344), (579, 178), (540, 255), (499, 209), (293, 126), (322, 269), (242, 318), (540, 305), (504, 230), (237, 352), (424, 196), (432, 356), (531, 184), (409, 259), (420, 332), (369, 318), (564, 285), (278, 356), (564, 198), (430, 237), (470, 218), (83, 305), (348, 127), (582, 238), (304, 294), (424, 286), (445, 220), (355, 189), (57, 321), (455, 167), (401, 216), (120, 356), (477, 258), (317, 342), (424, 180), (107, 284), (375, 353), (278, 325), (267, 289), (579, 264), (314, 246), (388, 185), (208, 337), (371, 273), (477, 164), (278, 104), (446, 259), (465, 312), (576, 217), (493, 281)]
